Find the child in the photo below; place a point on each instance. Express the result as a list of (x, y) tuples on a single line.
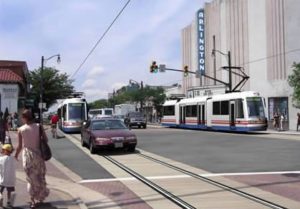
[(7, 173)]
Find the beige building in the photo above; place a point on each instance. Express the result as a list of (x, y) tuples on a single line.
[(262, 37)]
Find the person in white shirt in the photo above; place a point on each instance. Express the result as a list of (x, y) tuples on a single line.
[(7, 173)]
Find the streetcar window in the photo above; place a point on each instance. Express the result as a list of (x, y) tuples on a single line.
[(64, 114), (169, 110), (76, 111), (224, 107), (191, 111), (216, 108), (255, 107), (239, 108)]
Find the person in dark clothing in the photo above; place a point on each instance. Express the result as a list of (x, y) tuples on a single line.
[(3, 128)]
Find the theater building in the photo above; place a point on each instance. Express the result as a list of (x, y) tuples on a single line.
[(262, 37)]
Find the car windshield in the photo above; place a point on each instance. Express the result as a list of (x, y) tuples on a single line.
[(108, 125), (108, 112), (255, 107)]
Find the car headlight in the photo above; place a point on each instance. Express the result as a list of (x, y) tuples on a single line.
[(99, 139)]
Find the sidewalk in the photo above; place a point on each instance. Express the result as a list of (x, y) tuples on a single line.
[(58, 198)]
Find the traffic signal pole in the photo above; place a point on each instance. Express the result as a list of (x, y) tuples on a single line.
[(162, 68)]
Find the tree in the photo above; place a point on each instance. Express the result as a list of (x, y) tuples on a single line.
[(101, 103), (156, 95), (294, 81), (56, 85)]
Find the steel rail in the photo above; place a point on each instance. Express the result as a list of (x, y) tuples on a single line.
[(152, 185), (218, 184)]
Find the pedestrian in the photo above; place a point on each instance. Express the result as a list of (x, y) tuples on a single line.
[(54, 121), (9, 122), (3, 128), (298, 120), (33, 163), (15, 121), (7, 174), (276, 121), (281, 118)]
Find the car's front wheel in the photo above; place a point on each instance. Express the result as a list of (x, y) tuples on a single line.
[(92, 148), (131, 149)]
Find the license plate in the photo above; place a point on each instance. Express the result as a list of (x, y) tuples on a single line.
[(138, 123), (118, 144)]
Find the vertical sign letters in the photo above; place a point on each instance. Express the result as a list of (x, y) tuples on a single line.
[(201, 41)]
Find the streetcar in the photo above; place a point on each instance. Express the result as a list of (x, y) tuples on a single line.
[(238, 111), (72, 112)]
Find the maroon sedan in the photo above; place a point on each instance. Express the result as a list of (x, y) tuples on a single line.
[(107, 133)]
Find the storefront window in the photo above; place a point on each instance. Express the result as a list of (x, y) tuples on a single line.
[(278, 105)]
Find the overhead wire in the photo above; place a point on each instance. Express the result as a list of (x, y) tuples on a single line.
[(253, 61), (100, 39)]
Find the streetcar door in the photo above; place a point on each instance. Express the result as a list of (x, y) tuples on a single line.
[(232, 114), (182, 114), (203, 114), (199, 114)]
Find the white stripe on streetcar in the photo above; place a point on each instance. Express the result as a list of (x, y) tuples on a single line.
[(187, 176)]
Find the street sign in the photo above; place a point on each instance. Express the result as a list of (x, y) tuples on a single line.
[(198, 73), (29, 103), (42, 105), (162, 68)]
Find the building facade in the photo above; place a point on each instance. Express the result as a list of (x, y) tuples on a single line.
[(262, 38), (14, 85)]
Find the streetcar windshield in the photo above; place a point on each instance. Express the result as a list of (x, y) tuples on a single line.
[(76, 111), (255, 107)]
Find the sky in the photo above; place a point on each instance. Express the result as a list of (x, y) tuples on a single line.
[(147, 30)]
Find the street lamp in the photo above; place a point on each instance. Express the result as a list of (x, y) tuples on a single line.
[(213, 53), (42, 83)]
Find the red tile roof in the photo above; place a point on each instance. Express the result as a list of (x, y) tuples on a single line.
[(9, 76)]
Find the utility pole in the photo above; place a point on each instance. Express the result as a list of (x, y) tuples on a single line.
[(41, 90), (230, 71), (215, 60)]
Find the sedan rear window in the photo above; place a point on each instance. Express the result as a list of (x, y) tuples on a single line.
[(108, 125)]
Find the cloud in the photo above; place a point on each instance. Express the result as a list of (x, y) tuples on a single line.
[(93, 94), (89, 83), (118, 85), (96, 71)]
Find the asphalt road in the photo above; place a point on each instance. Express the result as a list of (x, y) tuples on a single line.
[(75, 159), (220, 152)]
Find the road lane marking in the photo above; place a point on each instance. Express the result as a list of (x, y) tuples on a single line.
[(187, 176)]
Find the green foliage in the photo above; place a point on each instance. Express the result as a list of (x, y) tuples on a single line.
[(56, 85), (294, 81), (156, 95), (101, 103)]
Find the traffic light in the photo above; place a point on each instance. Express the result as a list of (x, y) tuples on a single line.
[(186, 70), (153, 67)]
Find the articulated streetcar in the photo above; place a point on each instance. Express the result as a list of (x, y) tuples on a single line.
[(238, 111), (72, 112)]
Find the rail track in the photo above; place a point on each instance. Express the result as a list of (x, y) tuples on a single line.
[(177, 200)]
